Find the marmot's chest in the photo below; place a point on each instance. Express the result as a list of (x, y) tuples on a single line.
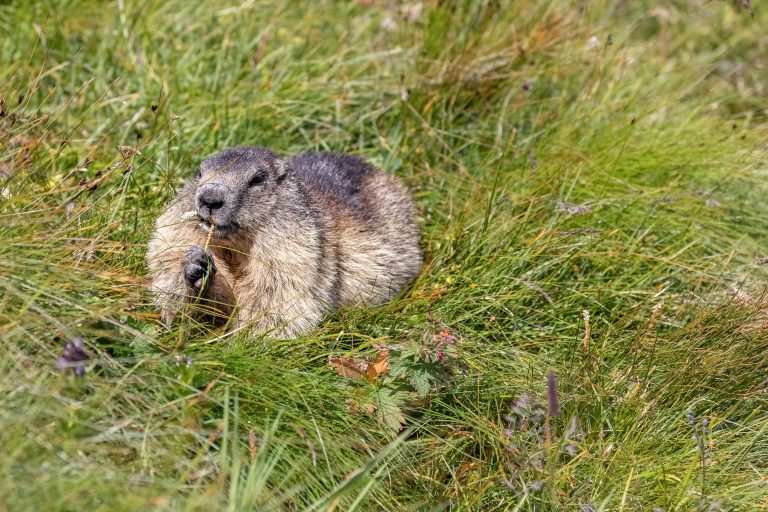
[(235, 260)]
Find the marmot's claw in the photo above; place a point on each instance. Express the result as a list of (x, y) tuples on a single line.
[(198, 267)]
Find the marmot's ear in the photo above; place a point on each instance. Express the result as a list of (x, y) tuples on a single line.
[(282, 168)]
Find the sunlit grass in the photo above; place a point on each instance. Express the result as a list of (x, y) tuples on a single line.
[(570, 161)]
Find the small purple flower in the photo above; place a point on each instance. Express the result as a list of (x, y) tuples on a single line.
[(573, 208), (521, 406), (179, 360), (509, 482), (532, 160), (552, 400), (573, 427), (663, 199), (446, 337), (73, 358)]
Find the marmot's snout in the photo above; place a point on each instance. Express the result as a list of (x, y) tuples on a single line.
[(211, 202)]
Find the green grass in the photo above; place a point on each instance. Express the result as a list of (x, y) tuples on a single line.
[(554, 173)]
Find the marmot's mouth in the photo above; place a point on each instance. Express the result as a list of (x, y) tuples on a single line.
[(219, 231)]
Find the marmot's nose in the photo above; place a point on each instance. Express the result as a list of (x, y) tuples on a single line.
[(209, 199)]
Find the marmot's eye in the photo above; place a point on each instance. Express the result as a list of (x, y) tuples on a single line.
[(258, 179), (199, 174)]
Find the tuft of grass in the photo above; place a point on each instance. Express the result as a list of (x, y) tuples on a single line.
[(590, 180)]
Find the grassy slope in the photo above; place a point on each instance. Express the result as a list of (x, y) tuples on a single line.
[(493, 113)]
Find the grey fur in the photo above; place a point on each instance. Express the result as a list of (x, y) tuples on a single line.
[(293, 240)]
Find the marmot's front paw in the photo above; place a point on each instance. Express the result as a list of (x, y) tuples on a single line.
[(199, 268)]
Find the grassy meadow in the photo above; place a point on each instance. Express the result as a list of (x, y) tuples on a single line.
[(588, 333)]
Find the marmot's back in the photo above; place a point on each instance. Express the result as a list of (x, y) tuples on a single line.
[(341, 177), (338, 180), (378, 237)]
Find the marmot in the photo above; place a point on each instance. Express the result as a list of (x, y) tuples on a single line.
[(293, 239)]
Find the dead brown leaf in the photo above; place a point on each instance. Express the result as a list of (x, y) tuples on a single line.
[(378, 367), (361, 368), (349, 367)]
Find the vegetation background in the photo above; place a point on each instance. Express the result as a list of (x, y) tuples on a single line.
[(589, 330)]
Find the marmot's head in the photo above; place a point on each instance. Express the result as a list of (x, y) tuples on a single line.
[(238, 187)]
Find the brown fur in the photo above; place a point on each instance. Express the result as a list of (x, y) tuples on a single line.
[(293, 240)]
